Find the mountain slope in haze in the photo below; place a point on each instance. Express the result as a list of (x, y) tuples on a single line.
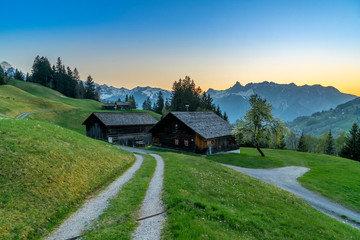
[(140, 93), (288, 100), (339, 119)]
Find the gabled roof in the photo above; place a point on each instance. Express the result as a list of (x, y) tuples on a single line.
[(206, 124), (123, 119)]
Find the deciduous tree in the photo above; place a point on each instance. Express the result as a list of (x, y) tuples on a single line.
[(258, 123)]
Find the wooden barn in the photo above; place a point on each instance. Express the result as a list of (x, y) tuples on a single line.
[(130, 129), (200, 132), (116, 106)]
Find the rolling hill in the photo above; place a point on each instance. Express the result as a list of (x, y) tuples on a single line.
[(66, 112), (46, 173), (339, 119)]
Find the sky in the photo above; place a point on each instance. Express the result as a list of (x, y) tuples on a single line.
[(154, 43)]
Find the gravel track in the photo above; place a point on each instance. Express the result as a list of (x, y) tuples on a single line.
[(285, 178), (150, 228), (92, 209), (24, 115)]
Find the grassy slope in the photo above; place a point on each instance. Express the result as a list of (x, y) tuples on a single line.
[(14, 101), (71, 118), (118, 220), (208, 201), (46, 173), (333, 177)]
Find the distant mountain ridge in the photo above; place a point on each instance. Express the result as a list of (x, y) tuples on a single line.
[(337, 120), (289, 100)]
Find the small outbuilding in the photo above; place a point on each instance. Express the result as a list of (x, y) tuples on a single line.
[(130, 129), (116, 106), (200, 132)]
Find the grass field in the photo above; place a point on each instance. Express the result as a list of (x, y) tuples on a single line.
[(46, 174), (333, 177), (71, 116), (14, 101), (118, 220), (208, 201)]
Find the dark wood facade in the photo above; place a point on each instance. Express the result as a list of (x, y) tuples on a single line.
[(172, 132), (129, 133)]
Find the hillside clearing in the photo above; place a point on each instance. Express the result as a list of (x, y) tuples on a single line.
[(208, 201), (333, 177), (14, 101), (71, 115), (46, 172)]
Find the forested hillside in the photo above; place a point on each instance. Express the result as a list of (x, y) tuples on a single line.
[(338, 120)]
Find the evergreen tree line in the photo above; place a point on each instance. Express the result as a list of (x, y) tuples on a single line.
[(186, 96), (62, 79), (3, 77), (346, 145)]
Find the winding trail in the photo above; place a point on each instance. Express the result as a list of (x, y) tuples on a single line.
[(285, 178), (150, 228), (92, 209), (25, 114)]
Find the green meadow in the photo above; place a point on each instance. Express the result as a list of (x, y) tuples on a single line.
[(333, 177), (47, 173), (208, 201)]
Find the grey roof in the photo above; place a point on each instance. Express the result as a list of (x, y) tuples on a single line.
[(124, 119), (116, 103), (206, 124)]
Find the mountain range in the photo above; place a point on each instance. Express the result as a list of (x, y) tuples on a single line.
[(289, 101)]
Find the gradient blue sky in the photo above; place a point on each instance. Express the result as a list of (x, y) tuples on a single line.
[(131, 43)]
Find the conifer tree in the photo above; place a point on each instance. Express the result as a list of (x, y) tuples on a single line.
[(90, 88), (19, 75), (159, 103), (302, 146), (330, 144), (147, 104), (2, 76), (351, 149)]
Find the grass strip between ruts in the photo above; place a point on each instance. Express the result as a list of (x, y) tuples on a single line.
[(118, 220)]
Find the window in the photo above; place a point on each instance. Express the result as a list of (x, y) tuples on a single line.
[(176, 141), (186, 142)]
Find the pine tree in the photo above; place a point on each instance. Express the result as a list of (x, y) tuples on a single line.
[(351, 149), (27, 78), (330, 144), (159, 103), (79, 90), (132, 102), (302, 146), (42, 72), (90, 88), (2, 76), (147, 104), (225, 117), (19, 75)]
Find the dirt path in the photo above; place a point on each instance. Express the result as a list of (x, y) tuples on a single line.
[(24, 115), (93, 208), (285, 178), (151, 228)]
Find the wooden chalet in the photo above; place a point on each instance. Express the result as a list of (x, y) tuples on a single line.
[(200, 132), (116, 106), (130, 129)]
